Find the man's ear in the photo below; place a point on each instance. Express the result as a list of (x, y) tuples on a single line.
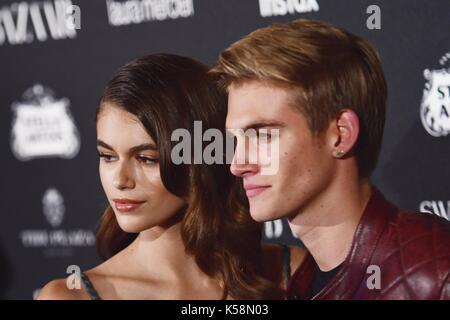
[(346, 132)]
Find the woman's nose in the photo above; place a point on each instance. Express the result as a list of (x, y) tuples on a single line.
[(123, 178)]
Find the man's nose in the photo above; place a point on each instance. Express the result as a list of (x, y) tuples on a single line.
[(243, 163)]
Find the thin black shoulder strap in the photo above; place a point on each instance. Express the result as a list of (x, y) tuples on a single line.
[(89, 287)]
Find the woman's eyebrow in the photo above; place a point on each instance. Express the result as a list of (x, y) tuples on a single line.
[(142, 147), (138, 148), (100, 143)]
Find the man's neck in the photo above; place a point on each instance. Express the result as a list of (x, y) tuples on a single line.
[(327, 224)]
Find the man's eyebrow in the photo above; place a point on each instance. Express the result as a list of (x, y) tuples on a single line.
[(263, 124), (138, 148)]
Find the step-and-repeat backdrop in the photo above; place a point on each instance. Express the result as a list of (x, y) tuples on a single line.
[(56, 56)]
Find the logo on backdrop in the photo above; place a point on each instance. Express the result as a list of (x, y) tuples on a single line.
[(24, 22), (269, 8), (276, 229), (273, 229), (137, 11), (435, 105), (43, 126), (53, 207), (56, 241), (437, 207)]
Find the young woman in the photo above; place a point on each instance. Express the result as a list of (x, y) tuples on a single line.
[(170, 231)]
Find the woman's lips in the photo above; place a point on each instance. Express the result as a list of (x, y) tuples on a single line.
[(127, 205), (254, 190)]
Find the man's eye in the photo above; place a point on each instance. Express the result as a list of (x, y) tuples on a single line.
[(264, 134), (147, 160), (106, 157)]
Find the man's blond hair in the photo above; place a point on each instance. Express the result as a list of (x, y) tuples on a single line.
[(326, 68)]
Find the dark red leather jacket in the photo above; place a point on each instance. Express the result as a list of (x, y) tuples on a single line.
[(412, 251)]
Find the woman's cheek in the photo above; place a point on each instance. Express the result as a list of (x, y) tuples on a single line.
[(106, 179)]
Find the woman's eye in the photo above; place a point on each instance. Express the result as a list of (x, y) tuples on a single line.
[(147, 160), (106, 157)]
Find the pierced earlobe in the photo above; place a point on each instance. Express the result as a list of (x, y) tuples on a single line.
[(338, 153)]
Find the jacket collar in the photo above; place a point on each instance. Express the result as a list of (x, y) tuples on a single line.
[(373, 221)]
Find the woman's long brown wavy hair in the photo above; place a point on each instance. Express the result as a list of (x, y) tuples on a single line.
[(166, 92)]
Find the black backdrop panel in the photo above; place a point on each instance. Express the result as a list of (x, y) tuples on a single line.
[(51, 78)]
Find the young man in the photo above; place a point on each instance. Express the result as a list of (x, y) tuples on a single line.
[(324, 89)]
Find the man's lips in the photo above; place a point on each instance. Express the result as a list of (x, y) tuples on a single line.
[(127, 205), (253, 190)]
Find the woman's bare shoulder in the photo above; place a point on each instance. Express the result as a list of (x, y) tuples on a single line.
[(298, 254), (273, 257), (59, 290)]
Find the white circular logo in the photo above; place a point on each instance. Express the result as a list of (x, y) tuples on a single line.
[(435, 105), (53, 207)]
